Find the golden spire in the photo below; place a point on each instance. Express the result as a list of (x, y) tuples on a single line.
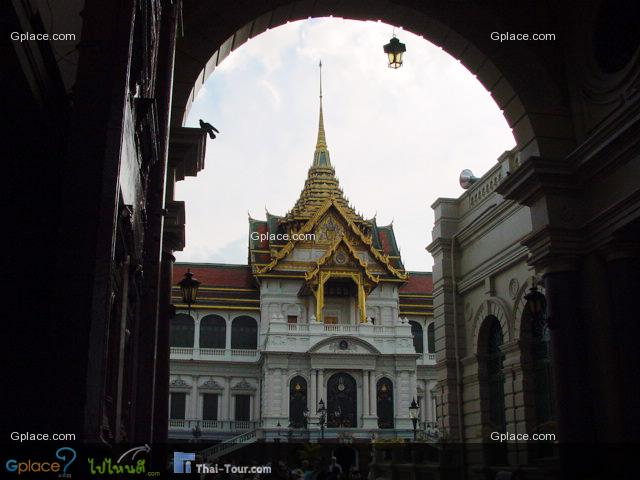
[(321, 183), (321, 156)]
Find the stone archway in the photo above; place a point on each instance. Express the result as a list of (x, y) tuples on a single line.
[(526, 91)]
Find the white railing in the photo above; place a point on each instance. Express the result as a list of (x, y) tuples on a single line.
[(243, 352), (293, 327), (180, 353), (188, 425), (212, 352), (431, 356), (228, 446)]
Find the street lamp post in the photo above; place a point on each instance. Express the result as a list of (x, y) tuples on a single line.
[(189, 287), (414, 413), (322, 411)]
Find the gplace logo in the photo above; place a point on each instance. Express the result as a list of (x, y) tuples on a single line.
[(182, 462), (67, 455)]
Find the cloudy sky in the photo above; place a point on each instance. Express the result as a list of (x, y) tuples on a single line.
[(398, 138)]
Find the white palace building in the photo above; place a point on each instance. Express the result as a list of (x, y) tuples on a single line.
[(324, 314)]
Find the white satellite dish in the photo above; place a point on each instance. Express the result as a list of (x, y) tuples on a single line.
[(467, 178)]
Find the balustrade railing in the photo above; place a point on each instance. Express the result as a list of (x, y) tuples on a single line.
[(294, 327), (213, 353), (188, 425)]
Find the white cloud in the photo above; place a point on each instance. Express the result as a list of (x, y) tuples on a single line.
[(398, 138)]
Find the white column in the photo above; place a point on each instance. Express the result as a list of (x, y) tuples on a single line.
[(224, 402), (227, 342), (196, 330), (372, 396), (285, 394), (229, 404), (256, 402), (365, 393), (321, 386), (275, 407), (313, 402)]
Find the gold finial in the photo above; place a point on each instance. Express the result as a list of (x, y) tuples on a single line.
[(320, 65), (321, 157)]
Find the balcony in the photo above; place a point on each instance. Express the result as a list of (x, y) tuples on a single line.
[(214, 354)]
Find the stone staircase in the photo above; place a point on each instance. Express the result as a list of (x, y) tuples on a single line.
[(210, 454)]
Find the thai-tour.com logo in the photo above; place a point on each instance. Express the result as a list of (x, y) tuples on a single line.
[(185, 462), (182, 462), (58, 465)]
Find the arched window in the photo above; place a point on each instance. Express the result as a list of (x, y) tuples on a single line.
[(213, 332), (244, 333), (494, 357), (182, 329), (536, 329), (418, 341), (492, 396), (384, 398), (431, 338), (543, 374), (298, 402)]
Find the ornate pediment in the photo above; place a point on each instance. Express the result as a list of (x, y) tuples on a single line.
[(331, 224), (211, 384), (329, 230), (243, 385), (179, 383), (344, 346)]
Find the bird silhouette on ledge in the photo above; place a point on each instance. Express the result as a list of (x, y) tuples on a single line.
[(209, 129)]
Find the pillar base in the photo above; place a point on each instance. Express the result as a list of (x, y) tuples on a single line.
[(403, 424), (370, 422)]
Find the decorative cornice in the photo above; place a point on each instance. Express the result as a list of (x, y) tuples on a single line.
[(554, 248), (535, 178)]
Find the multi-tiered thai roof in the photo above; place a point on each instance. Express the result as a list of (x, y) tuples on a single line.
[(321, 191)]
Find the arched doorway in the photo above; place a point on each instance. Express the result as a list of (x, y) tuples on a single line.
[(342, 401), (297, 402), (492, 391), (384, 397)]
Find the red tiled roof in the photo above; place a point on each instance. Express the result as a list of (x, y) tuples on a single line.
[(384, 242), (216, 275), (419, 282)]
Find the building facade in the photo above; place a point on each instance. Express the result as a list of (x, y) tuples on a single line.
[(324, 313), (492, 333)]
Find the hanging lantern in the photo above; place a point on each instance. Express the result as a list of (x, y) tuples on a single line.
[(536, 303), (394, 50)]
